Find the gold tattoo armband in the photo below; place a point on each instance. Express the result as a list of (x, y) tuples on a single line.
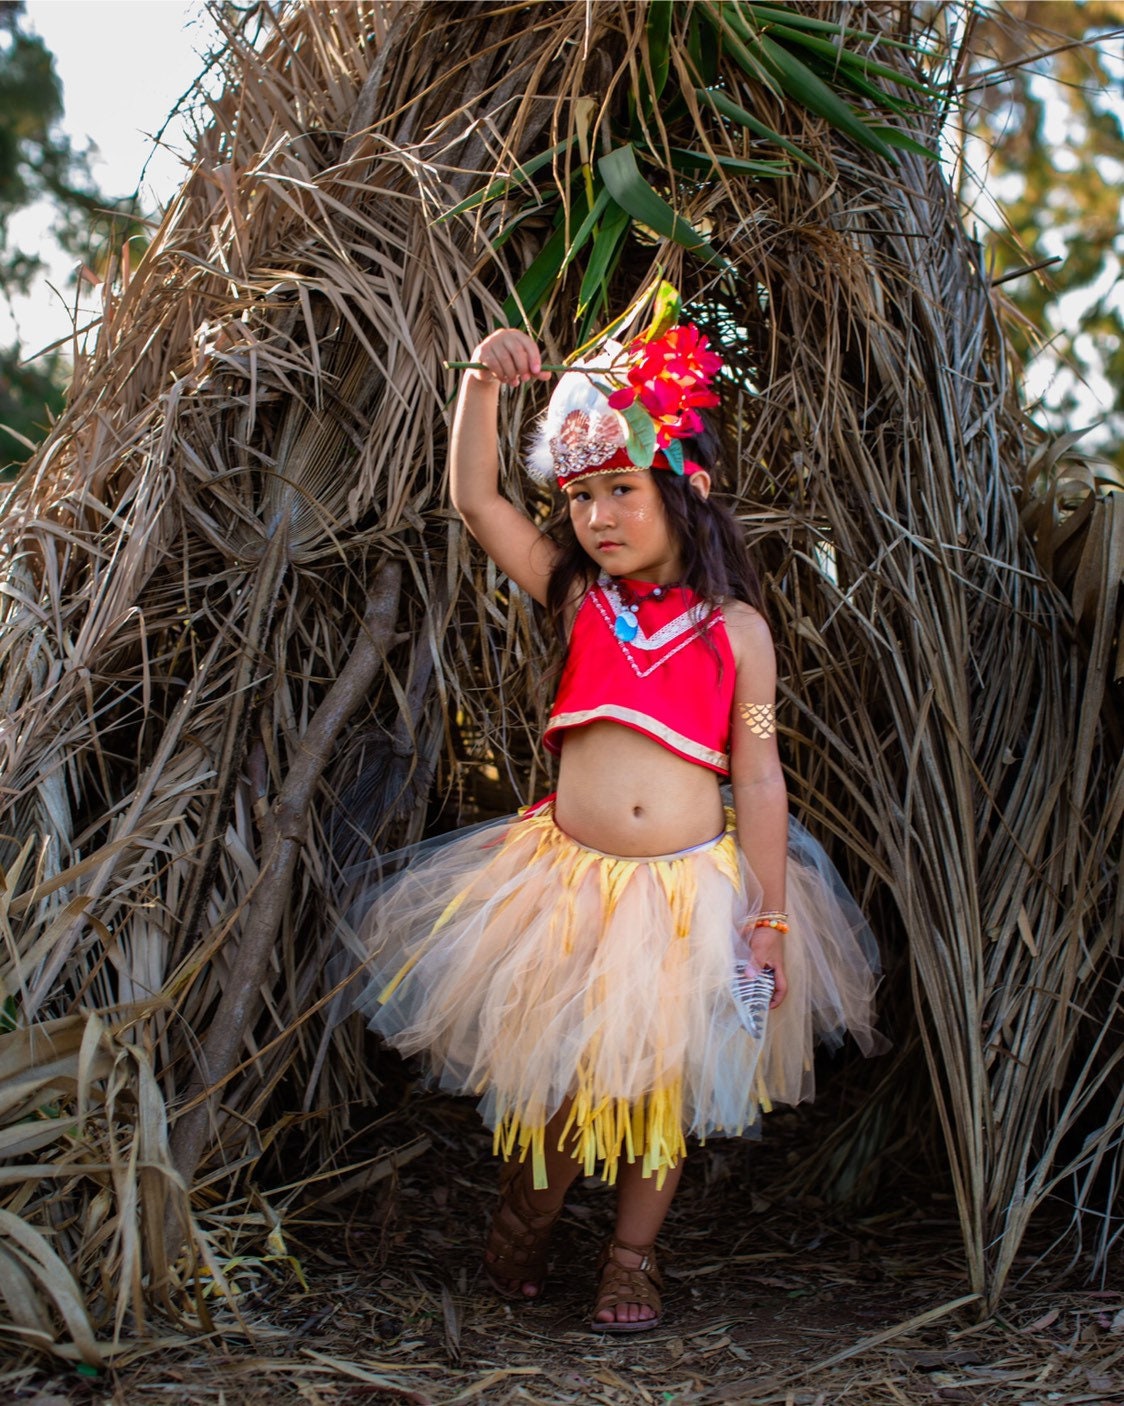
[(760, 718)]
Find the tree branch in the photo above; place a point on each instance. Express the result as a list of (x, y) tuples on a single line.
[(283, 834)]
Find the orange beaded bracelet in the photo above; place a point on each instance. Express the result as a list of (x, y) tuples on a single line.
[(778, 923)]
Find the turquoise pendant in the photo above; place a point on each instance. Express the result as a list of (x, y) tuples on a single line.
[(626, 625)]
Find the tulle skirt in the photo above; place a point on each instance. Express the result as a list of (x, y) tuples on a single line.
[(538, 974)]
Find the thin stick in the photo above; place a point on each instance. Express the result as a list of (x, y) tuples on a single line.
[(559, 370)]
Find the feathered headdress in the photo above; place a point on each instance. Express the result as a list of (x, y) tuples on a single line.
[(627, 407)]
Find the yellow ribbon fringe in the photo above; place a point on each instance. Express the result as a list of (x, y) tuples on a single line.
[(649, 1130)]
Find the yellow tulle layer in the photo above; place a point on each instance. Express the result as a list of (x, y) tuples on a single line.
[(545, 977)]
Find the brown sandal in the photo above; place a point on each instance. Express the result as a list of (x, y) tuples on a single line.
[(518, 1238), (623, 1283)]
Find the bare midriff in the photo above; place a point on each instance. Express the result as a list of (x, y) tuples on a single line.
[(623, 793)]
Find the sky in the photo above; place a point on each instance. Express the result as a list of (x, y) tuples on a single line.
[(124, 64)]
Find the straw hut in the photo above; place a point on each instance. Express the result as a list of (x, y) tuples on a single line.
[(243, 634)]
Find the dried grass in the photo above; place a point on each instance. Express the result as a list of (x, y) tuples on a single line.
[(253, 451), (772, 1299)]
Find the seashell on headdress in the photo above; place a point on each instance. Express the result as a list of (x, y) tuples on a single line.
[(626, 408)]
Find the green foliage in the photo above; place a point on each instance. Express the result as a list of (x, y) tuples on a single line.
[(731, 51), (31, 394), (38, 162), (1052, 129), (30, 105)]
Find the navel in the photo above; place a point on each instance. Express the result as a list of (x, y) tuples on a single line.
[(637, 811)]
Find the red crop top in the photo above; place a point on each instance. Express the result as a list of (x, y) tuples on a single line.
[(672, 681)]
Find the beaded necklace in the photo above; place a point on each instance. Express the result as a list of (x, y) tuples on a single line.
[(627, 624)]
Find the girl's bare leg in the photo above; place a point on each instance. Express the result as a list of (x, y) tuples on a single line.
[(641, 1210)]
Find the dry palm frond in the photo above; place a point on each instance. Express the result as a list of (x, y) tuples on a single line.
[(63, 1080), (231, 575)]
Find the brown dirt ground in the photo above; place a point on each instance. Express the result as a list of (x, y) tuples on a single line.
[(772, 1298)]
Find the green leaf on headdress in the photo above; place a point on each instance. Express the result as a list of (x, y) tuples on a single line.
[(641, 444), (674, 454)]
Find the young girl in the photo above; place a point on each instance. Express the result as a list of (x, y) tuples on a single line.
[(573, 966)]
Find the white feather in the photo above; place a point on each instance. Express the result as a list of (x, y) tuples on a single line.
[(575, 391)]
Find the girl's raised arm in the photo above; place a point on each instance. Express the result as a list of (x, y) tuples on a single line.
[(513, 542)]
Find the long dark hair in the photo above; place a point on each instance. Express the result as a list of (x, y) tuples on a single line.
[(716, 564)]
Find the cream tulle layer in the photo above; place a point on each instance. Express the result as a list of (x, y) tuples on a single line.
[(530, 970)]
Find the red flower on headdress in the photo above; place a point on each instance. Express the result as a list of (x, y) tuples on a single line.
[(686, 355), (670, 377), (669, 408)]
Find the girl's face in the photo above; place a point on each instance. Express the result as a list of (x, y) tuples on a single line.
[(621, 525)]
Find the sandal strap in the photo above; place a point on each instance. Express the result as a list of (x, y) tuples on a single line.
[(625, 1283), (520, 1232)]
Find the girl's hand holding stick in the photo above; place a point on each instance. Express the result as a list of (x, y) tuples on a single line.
[(508, 356)]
